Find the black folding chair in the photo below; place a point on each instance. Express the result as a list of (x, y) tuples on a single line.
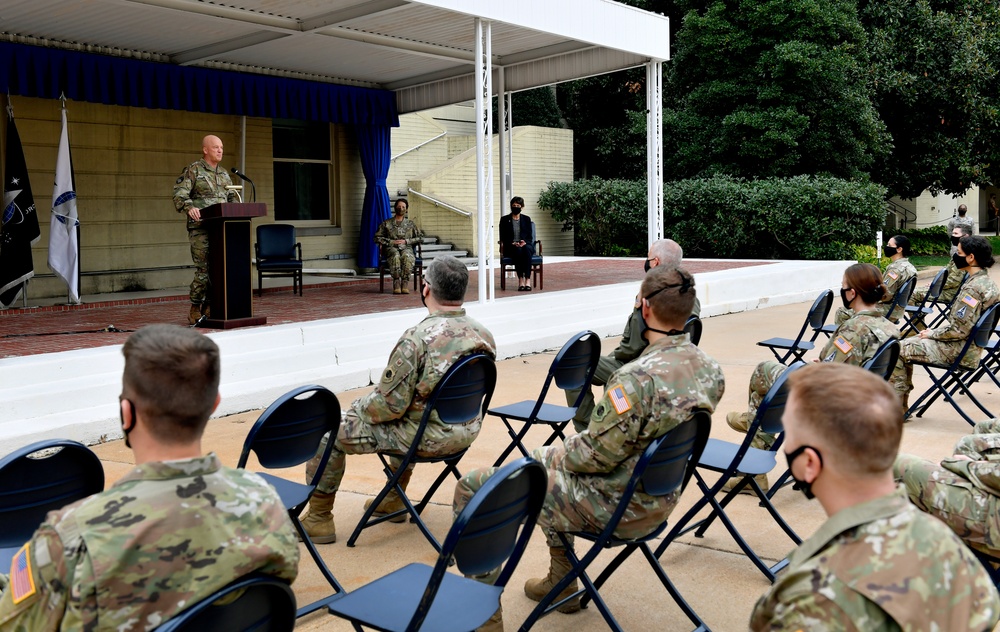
[(287, 434), (693, 329), (798, 347), (664, 468), (954, 377), (944, 307), (492, 530), (902, 298), (741, 462), (989, 364), (262, 604), (884, 360), (39, 478), (572, 368), (917, 314), (461, 396)]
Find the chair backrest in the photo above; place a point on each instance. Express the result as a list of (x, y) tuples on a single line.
[(773, 406), (493, 528), (276, 241), (820, 310), (262, 604), (884, 360), (902, 296), (936, 286), (669, 461), (984, 328), (464, 392), (575, 364), (693, 328), (289, 431), (40, 478), (534, 237)]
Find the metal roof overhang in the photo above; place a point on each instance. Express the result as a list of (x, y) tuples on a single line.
[(423, 50)]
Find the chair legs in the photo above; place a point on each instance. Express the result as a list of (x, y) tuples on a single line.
[(338, 589)]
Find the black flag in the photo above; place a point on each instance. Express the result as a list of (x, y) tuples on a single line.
[(20, 222)]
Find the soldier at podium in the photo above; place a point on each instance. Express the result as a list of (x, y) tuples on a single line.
[(201, 184)]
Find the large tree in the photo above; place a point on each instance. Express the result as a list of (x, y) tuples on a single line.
[(771, 88)]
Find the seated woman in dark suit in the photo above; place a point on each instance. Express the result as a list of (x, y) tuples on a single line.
[(515, 237)]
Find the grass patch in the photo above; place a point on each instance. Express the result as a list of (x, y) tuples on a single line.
[(923, 261)]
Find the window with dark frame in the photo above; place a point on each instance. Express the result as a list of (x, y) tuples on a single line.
[(303, 170)]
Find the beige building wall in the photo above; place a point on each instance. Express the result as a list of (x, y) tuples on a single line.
[(419, 141), (126, 161), (937, 210)]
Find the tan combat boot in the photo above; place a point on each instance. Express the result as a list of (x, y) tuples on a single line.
[(195, 314), (318, 523), (559, 566), (495, 624), (404, 285), (905, 405), (392, 502), (395, 287)]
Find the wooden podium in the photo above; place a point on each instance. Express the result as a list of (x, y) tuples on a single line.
[(230, 276)]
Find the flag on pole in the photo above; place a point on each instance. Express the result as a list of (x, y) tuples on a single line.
[(64, 251), (20, 222)]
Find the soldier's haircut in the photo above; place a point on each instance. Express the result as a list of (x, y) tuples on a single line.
[(854, 412), (403, 200), (866, 280), (978, 247), (448, 278), (964, 228), (172, 376), (670, 292), (902, 241), (668, 251)]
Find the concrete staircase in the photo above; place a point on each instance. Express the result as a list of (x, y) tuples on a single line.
[(430, 247)]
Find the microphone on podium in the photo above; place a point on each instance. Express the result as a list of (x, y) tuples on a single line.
[(253, 187)]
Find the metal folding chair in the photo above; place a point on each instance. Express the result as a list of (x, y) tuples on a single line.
[(665, 467), (884, 360), (462, 395), (572, 368), (693, 328), (918, 313), (798, 347), (742, 463), (902, 297), (287, 434), (261, 604), (492, 530)]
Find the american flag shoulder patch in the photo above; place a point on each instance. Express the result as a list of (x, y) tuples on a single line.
[(22, 584), (843, 345), (620, 400), (969, 300), (892, 274)]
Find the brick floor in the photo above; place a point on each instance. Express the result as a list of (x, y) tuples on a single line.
[(63, 328)]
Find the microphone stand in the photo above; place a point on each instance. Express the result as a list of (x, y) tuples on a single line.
[(253, 187)]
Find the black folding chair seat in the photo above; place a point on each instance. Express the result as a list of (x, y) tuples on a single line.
[(491, 531), (462, 395), (262, 604), (572, 368), (797, 347), (665, 467), (288, 434)]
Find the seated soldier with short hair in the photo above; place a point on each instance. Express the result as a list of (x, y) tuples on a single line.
[(174, 530)]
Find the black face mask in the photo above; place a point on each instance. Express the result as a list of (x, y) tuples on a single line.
[(955, 240), (802, 486), (959, 261), (645, 266), (889, 250), (843, 297)]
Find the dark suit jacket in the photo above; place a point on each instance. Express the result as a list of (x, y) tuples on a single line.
[(507, 230)]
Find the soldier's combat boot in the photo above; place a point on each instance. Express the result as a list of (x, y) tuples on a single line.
[(739, 421), (404, 285), (392, 502), (395, 287), (318, 523), (207, 310), (195, 314), (495, 624), (559, 566)]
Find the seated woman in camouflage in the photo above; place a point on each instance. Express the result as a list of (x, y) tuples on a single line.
[(396, 236), (854, 342)]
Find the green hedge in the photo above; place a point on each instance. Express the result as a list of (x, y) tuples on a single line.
[(933, 241), (793, 218)]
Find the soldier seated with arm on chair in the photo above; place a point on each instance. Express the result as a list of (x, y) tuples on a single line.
[(174, 530)]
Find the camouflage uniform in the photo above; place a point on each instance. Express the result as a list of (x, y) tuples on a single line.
[(899, 272), (200, 186), (975, 296), (387, 418), (631, 347), (952, 282), (589, 472), (854, 342), (400, 258), (963, 493), (162, 538), (880, 565)]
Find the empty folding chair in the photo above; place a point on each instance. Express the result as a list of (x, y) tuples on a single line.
[(261, 604), (664, 468), (915, 318), (572, 368), (797, 347), (492, 530), (954, 377), (287, 434), (39, 478), (742, 463), (462, 395)]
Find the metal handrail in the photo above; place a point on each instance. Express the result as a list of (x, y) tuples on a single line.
[(439, 203), (416, 147)]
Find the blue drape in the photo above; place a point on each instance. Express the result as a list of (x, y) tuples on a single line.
[(373, 146), (34, 71)]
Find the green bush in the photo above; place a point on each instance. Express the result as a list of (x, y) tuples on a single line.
[(790, 218), (868, 254), (931, 241)]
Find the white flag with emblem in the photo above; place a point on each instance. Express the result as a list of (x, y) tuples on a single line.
[(64, 250)]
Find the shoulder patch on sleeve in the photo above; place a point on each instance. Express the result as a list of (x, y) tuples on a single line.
[(969, 300), (619, 400), (843, 345), (961, 313), (892, 274), (830, 358), (22, 583), (388, 375)]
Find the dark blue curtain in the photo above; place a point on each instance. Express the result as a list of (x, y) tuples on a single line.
[(34, 71), (373, 145)]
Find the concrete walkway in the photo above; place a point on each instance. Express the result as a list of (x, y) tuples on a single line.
[(718, 581)]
